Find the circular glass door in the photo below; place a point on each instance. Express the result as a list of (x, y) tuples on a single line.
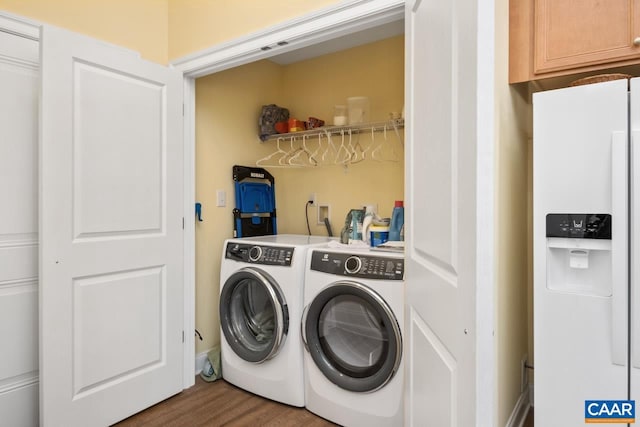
[(253, 315), (353, 336)]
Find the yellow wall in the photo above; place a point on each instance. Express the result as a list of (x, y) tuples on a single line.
[(227, 108), (162, 30), (199, 24), (512, 209), (141, 25)]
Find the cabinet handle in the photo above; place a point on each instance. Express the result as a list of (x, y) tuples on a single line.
[(636, 41)]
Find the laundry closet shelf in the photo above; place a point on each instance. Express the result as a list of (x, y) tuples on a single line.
[(338, 130)]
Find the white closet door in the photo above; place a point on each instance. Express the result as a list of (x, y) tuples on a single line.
[(441, 178), (111, 232), (18, 230)]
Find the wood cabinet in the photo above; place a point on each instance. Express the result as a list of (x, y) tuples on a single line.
[(550, 38)]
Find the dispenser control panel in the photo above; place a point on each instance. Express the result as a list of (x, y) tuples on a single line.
[(259, 254), (360, 266), (579, 226)]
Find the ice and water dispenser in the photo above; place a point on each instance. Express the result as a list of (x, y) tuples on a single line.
[(579, 253)]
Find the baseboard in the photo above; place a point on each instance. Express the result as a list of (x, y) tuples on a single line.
[(200, 359), (520, 411)]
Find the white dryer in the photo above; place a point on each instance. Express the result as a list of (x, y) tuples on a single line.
[(352, 331), (261, 291)]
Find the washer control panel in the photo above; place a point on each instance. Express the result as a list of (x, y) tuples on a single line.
[(259, 254), (361, 266)]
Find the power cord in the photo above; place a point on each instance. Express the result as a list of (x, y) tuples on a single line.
[(306, 214)]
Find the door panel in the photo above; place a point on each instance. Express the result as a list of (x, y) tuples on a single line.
[(570, 34), (133, 342), (440, 179), (111, 232), (436, 363), (120, 144), (18, 230)]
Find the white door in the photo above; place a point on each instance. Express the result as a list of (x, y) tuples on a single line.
[(111, 232), (441, 177), (18, 230)]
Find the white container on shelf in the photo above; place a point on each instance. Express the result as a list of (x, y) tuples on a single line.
[(340, 115), (358, 109)]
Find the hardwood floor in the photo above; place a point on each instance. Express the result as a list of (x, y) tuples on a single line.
[(221, 404), (528, 422)]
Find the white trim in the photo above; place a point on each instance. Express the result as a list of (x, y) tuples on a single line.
[(20, 63), (200, 359), (521, 410), (14, 24), (19, 240), (189, 240), (12, 384), (335, 21), (486, 387)]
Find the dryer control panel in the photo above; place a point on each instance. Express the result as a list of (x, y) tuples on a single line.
[(259, 254), (360, 265)]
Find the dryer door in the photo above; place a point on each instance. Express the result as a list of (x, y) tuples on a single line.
[(353, 336), (253, 315)]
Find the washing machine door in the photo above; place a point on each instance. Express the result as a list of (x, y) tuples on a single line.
[(352, 336), (253, 315)]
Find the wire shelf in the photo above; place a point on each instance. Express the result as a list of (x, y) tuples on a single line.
[(338, 130)]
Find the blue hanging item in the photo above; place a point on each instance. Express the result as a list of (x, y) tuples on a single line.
[(255, 211), (397, 221), (199, 211)]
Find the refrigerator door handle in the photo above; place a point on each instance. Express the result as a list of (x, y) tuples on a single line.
[(619, 247)]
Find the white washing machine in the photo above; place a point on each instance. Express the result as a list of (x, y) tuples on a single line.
[(352, 332), (261, 291)]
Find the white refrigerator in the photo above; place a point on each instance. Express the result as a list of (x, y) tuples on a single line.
[(586, 173)]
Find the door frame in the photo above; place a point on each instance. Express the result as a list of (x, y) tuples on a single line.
[(316, 27), (325, 24)]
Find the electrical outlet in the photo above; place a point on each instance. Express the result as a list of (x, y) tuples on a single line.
[(312, 199)]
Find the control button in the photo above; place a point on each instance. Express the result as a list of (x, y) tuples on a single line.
[(353, 264), (255, 253)]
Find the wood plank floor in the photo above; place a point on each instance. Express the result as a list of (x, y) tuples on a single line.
[(528, 422), (221, 404)]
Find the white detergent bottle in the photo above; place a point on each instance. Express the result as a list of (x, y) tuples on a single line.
[(369, 214)]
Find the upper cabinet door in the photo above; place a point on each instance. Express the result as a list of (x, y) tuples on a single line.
[(577, 33), (111, 238)]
